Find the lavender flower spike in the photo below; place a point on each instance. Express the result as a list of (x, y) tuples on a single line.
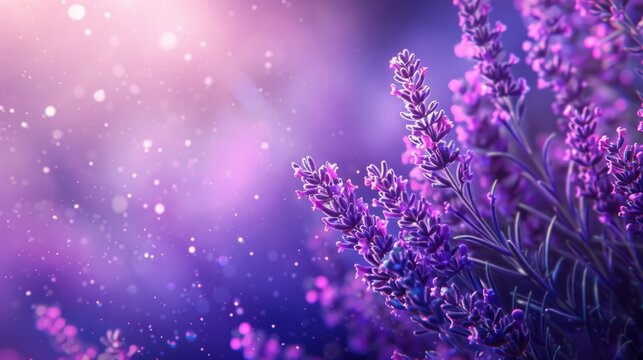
[(548, 31), (614, 13), (625, 167), (429, 125), (482, 42), (592, 178), (416, 271), (572, 292)]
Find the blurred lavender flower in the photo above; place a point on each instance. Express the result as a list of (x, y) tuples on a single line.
[(488, 99), (569, 51), (115, 348), (64, 337), (256, 345), (417, 181), (548, 30), (480, 131), (372, 328), (614, 13), (481, 41)]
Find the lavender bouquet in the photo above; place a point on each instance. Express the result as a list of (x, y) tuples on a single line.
[(499, 249)]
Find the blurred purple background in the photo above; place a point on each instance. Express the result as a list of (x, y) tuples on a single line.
[(145, 151)]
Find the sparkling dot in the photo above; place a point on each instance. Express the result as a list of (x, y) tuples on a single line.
[(192, 249), (190, 336), (134, 89), (187, 143), (50, 111), (46, 170), (168, 40), (147, 144), (265, 145), (240, 240), (76, 12), (159, 208), (118, 70), (57, 134), (99, 95), (119, 204)]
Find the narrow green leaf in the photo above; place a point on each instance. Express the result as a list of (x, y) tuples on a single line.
[(547, 244), (565, 315), (488, 274), (498, 268), (554, 273), (526, 267), (517, 230), (621, 349)]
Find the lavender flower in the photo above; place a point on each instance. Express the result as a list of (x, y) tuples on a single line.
[(487, 323), (548, 30), (64, 338), (482, 42), (413, 271), (573, 277), (428, 134), (614, 13), (569, 51), (115, 348), (551, 54), (255, 344), (480, 131), (625, 168), (592, 179), (429, 126), (372, 328), (417, 181)]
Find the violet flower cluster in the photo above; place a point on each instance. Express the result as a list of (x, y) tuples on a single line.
[(596, 75), (481, 130), (64, 338), (548, 31), (413, 270), (257, 345), (574, 288), (371, 328), (593, 182), (624, 164), (614, 13)]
